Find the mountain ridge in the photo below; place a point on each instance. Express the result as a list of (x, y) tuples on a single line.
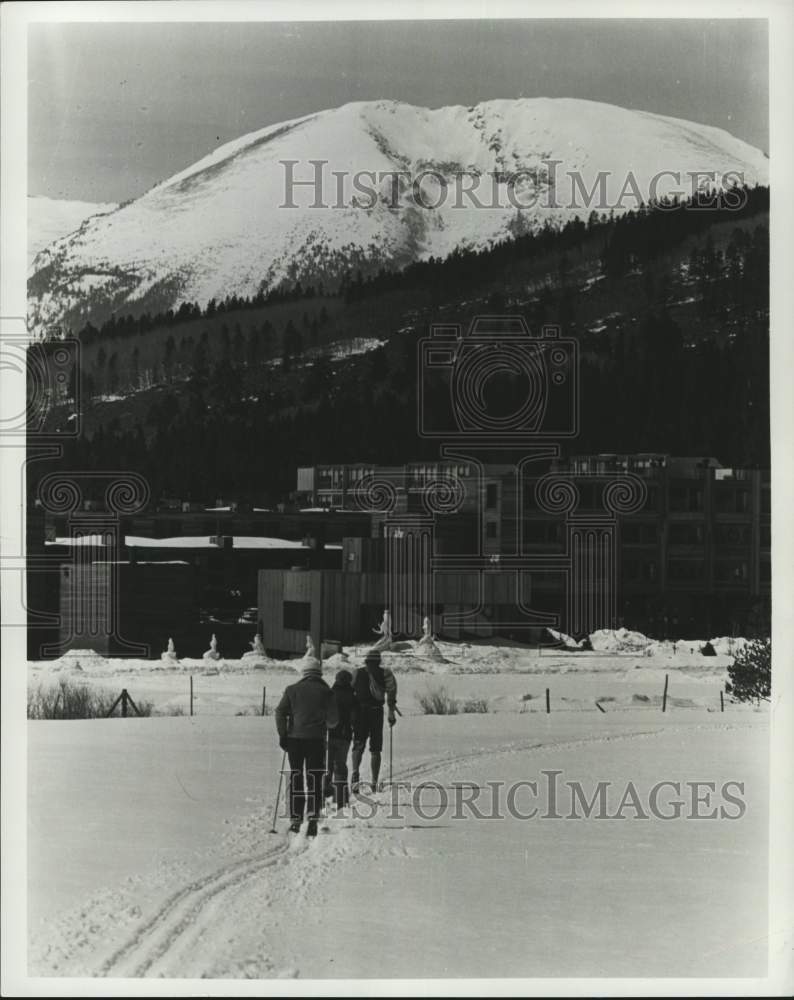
[(223, 226), (51, 218)]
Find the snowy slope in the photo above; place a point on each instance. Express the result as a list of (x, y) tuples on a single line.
[(51, 218), (149, 854), (220, 227)]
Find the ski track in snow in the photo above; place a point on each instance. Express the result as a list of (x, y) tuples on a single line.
[(173, 940), (180, 912)]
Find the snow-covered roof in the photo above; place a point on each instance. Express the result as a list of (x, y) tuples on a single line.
[(127, 562), (79, 540), (330, 510), (186, 542), (205, 541)]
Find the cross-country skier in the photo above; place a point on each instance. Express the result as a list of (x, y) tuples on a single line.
[(306, 710), (339, 739), (374, 685)]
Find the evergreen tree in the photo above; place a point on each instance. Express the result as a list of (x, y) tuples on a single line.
[(168, 357), (750, 675), (113, 374)]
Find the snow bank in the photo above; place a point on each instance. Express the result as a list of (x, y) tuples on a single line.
[(620, 652), (621, 641)]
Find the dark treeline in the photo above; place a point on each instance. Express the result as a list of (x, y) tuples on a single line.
[(681, 366), (639, 235), (188, 312)]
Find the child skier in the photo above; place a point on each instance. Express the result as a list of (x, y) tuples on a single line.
[(339, 739)]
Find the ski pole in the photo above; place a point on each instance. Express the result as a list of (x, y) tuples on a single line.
[(278, 794), (391, 747), (327, 776)]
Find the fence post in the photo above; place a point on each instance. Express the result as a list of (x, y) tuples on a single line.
[(264, 698), (191, 694), (113, 706), (124, 697), (722, 701), (548, 702), (664, 696)]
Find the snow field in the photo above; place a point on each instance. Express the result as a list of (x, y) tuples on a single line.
[(149, 854)]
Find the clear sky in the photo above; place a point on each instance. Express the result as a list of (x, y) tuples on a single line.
[(115, 108)]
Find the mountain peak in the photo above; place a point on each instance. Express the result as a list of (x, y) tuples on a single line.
[(367, 185)]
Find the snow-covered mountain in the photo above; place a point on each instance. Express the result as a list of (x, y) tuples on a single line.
[(221, 226), (51, 218)]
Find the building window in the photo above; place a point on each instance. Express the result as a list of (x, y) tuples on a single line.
[(732, 534), (730, 500), (686, 499), (538, 532), (651, 498), (683, 572), (766, 501), (686, 534), (639, 570), (298, 615), (730, 571), (631, 569), (491, 496), (637, 533)]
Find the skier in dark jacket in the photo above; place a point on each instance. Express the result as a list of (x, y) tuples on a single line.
[(339, 739), (306, 711), (374, 686)]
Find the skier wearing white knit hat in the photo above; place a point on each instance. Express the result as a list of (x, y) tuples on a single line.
[(306, 711)]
